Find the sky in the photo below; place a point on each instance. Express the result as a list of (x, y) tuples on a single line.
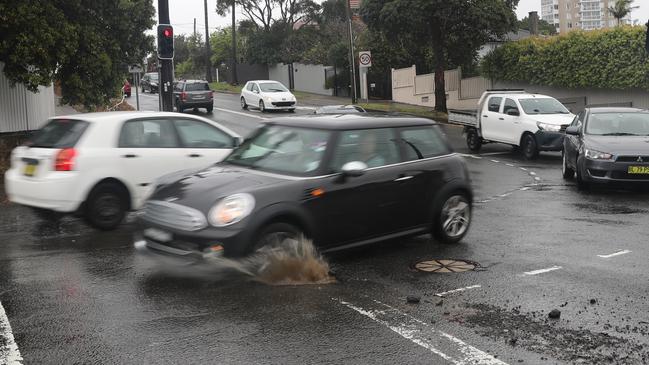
[(183, 12)]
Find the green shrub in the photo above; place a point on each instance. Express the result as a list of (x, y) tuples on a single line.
[(608, 58)]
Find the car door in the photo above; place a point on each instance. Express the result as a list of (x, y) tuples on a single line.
[(255, 94), (573, 143), (202, 144), (147, 149), (178, 89), (358, 208), (489, 119), (510, 127), (422, 174)]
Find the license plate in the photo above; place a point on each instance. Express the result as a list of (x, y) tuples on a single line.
[(199, 97), (638, 170), (158, 235), (29, 170)]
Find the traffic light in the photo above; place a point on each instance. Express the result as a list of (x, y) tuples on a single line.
[(165, 42)]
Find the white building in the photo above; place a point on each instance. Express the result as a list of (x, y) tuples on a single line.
[(567, 15)]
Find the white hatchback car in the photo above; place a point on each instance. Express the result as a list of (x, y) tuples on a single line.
[(101, 165), (267, 95)]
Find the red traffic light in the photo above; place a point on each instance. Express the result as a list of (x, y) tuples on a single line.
[(168, 32)]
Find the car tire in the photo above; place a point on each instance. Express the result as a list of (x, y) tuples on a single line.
[(106, 206), (529, 147), (567, 172), (262, 106), (244, 106), (452, 217), (274, 234), (473, 140), (582, 183), (180, 108)]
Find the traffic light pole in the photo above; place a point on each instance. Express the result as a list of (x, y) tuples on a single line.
[(165, 88)]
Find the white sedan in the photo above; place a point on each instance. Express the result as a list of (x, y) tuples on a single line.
[(101, 165), (267, 95)]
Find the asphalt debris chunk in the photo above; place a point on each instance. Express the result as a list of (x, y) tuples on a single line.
[(413, 299), (554, 314), (593, 301)]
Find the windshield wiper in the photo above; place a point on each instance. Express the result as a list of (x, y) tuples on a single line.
[(620, 134)]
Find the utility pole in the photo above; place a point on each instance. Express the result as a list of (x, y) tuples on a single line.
[(165, 91), (194, 27), (234, 47), (208, 52), (352, 66)]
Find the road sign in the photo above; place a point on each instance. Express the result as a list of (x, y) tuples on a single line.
[(365, 59), (134, 69)]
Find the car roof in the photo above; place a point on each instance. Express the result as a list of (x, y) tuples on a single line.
[(350, 121), (193, 81), (596, 110), (263, 81), (521, 96)]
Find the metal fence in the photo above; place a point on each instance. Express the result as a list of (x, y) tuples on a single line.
[(21, 109)]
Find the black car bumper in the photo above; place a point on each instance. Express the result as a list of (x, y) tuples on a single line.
[(197, 104), (611, 171), (549, 141)]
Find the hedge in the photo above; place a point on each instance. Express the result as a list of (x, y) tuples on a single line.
[(607, 58)]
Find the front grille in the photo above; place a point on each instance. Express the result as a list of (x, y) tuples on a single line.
[(626, 176), (283, 103), (635, 158), (174, 215)]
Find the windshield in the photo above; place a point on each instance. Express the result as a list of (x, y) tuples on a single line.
[(153, 76), (58, 133), (281, 149), (543, 106), (272, 87), (618, 124)]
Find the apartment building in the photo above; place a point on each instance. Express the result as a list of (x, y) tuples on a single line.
[(567, 15)]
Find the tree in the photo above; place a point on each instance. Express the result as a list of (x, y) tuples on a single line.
[(453, 29), (191, 64), (621, 9), (545, 28), (84, 44), (265, 13)]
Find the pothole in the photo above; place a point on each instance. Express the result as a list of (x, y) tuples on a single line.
[(445, 266)]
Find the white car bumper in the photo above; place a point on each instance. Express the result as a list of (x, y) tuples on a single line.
[(281, 105), (56, 192)]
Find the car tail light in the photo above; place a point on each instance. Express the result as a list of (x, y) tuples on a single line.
[(183, 96), (65, 159), (211, 94)]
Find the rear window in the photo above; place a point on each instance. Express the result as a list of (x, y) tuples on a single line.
[(58, 133), (423, 142), (197, 87)]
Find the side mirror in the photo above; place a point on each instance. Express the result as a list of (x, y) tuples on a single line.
[(237, 141), (256, 91), (513, 112), (354, 168), (572, 130)]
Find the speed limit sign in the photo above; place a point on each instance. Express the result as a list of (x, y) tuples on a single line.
[(365, 59)]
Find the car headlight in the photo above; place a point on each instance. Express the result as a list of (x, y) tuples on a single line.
[(548, 127), (231, 209), (597, 155)]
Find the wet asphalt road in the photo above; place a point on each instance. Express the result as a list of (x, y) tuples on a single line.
[(75, 295)]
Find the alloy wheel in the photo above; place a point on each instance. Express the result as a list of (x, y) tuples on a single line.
[(456, 215)]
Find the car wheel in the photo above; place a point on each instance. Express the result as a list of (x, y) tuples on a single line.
[(274, 234), (262, 106), (473, 140), (530, 150), (243, 103), (106, 206), (452, 218), (209, 109), (567, 172), (582, 183)]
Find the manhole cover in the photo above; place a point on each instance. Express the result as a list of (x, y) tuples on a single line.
[(445, 265)]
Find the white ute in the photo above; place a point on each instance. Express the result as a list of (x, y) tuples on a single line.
[(101, 165), (532, 122)]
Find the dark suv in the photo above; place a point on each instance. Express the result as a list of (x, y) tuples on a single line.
[(150, 82), (194, 94), (340, 180)]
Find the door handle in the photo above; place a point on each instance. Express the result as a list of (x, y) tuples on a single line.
[(195, 155), (403, 178), (501, 118), (485, 116), (130, 156)]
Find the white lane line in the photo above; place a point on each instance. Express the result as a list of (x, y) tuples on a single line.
[(9, 353), (424, 335), (509, 164), (615, 254), (493, 153), (472, 156), (537, 178), (457, 290), (522, 168), (532, 173), (541, 271), (239, 113), (305, 108), (496, 161)]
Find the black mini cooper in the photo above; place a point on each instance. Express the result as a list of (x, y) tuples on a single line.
[(340, 180)]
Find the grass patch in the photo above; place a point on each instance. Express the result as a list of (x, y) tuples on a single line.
[(225, 87), (416, 110)]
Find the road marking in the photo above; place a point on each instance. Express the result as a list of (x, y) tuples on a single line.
[(472, 156), (537, 178), (305, 108), (532, 173), (541, 271), (9, 353), (457, 290), (509, 164), (615, 254), (239, 113), (522, 168), (493, 153), (424, 335), (496, 161)]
